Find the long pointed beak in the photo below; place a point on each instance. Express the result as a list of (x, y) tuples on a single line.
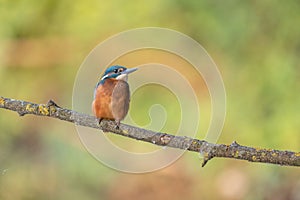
[(128, 71)]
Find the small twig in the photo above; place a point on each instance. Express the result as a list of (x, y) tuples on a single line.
[(206, 149)]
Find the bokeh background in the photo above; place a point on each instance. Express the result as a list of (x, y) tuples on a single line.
[(255, 44)]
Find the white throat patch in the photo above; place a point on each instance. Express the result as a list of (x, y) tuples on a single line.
[(123, 77)]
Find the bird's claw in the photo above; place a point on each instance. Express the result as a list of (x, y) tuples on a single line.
[(117, 124), (100, 120)]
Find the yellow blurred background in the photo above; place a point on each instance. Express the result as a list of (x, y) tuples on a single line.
[(255, 44)]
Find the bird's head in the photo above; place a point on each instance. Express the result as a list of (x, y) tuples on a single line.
[(117, 72)]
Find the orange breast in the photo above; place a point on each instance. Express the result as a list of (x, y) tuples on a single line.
[(102, 104)]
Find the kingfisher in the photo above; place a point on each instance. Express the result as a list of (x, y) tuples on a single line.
[(112, 94)]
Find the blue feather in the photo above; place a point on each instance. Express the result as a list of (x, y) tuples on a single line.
[(109, 73)]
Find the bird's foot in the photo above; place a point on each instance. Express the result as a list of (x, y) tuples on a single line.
[(117, 124), (100, 120), (104, 129)]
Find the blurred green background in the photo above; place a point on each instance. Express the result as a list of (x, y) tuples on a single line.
[(256, 45)]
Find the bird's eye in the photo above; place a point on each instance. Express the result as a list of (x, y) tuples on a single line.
[(116, 70)]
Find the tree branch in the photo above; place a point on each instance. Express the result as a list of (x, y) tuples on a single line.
[(208, 150)]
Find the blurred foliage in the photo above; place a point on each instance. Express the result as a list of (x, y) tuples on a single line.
[(255, 44)]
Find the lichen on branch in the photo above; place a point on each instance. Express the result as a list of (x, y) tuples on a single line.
[(206, 149)]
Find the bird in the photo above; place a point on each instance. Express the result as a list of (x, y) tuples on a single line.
[(112, 94)]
